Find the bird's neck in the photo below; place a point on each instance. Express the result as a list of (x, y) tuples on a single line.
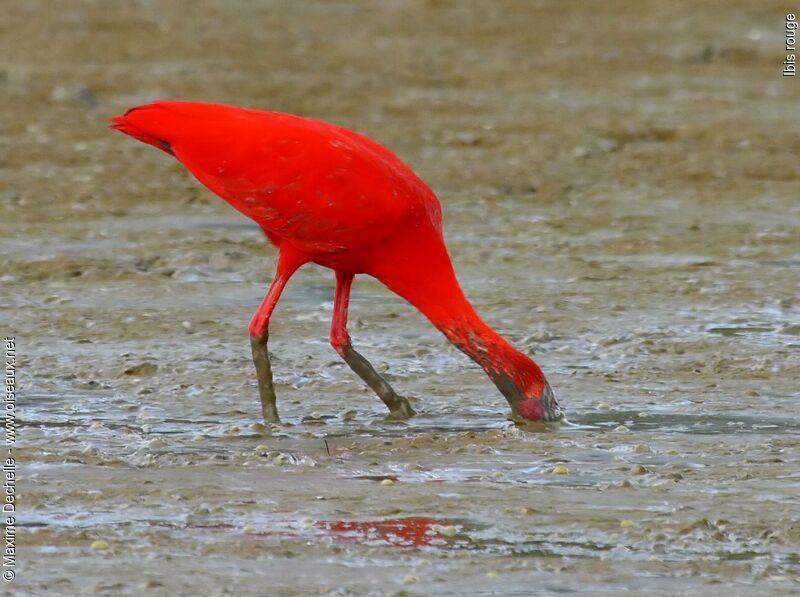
[(423, 274), (515, 374)]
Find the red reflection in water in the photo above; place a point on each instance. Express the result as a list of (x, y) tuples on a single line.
[(414, 531)]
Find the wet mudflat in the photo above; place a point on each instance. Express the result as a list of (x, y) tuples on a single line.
[(620, 188)]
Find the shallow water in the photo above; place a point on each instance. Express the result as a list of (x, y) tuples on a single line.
[(620, 192)]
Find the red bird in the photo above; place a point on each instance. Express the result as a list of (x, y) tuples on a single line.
[(324, 194)]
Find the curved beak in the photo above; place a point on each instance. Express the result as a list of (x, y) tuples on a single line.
[(552, 412)]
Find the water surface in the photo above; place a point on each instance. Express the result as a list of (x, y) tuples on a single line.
[(620, 189)]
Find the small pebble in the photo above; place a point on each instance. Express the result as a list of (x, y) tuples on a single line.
[(260, 448), (100, 544), (560, 470), (449, 531), (603, 406), (96, 425), (198, 438), (491, 574), (626, 524), (387, 482), (73, 93), (638, 469), (410, 579)]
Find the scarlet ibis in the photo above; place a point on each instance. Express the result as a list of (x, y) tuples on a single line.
[(328, 195)]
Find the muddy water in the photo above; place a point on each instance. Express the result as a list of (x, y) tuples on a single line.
[(620, 187)]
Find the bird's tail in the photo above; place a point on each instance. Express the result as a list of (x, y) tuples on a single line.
[(148, 123)]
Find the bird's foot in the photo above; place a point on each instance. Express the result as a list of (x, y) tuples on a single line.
[(270, 415), (401, 411)]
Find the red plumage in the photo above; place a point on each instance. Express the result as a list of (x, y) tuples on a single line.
[(325, 194)]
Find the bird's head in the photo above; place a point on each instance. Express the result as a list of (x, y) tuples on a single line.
[(541, 408), (519, 378), (530, 396)]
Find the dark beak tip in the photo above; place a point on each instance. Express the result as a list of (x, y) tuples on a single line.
[(552, 411)]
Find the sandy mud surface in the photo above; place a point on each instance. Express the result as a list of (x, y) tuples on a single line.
[(620, 185)]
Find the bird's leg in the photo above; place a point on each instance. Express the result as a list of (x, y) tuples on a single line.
[(259, 334), (340, 340)]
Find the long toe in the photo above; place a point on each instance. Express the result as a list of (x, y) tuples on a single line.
[(270, 415), (402, 411)]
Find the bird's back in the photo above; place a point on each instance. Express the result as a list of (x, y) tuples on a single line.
[(320, 187)]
